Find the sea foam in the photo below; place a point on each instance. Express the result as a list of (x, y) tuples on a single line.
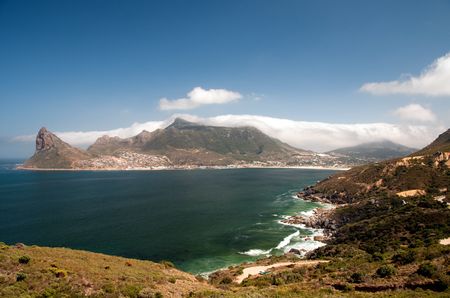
[(287, 240), (256, 252)]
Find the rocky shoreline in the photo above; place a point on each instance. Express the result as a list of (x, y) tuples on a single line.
[(311, 194), (322, 218)]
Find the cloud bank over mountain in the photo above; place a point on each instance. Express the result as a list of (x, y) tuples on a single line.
[(433, 81), (317, 136)]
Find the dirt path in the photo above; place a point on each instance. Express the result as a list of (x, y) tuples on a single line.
[(255, 270)]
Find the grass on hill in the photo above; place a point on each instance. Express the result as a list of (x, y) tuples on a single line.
[(31, 271)]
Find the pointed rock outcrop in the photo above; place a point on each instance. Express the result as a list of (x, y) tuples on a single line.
[(53, 153)]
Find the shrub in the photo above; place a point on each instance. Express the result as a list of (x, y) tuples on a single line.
[(435, 251), (277, 281), (426, 270), (404, 257), (343, 287), (20, 276), (300, 270), (48, 293), (130, 291), (172, 280), (158, 295), (226, 280), (24, 259), (377, 257), (58, 272), (347, 288), (443, 283), (385, 271), (108, 288), (356, 277)]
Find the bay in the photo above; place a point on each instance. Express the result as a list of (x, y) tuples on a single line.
[(201, 220)]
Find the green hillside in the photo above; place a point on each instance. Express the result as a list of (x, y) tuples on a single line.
[(31, 271)]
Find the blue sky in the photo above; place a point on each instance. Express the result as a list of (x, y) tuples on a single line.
[(102, 65)]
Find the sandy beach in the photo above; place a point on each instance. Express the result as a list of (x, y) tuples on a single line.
[(255, 270), (445, 241)]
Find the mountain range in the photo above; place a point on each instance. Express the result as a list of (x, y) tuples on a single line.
[(185, 144)]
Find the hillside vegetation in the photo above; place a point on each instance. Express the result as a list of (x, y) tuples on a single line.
[(31, 271), (426, 170)]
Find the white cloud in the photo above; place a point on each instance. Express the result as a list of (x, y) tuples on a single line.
[(416, 113), (433, 81), (198, 97), (317, 136)]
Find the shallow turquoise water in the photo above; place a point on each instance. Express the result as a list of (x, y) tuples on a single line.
[(201, 220)]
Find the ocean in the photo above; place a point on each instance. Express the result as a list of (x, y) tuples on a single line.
[(201, 220)]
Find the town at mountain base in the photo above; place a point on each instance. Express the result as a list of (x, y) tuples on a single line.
[(187, 145)]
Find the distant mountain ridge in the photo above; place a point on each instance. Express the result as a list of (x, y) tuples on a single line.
[(185, 144), (374, 151)]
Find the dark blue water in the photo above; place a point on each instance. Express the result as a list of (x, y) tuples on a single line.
[(199, 219)]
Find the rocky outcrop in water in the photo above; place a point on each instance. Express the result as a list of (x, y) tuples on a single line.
[(321, 219)]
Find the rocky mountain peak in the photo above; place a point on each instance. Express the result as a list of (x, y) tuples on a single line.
[(144, 133), (143, 137), (53, 153), (105, 139), (181, 123), (44, 140)]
